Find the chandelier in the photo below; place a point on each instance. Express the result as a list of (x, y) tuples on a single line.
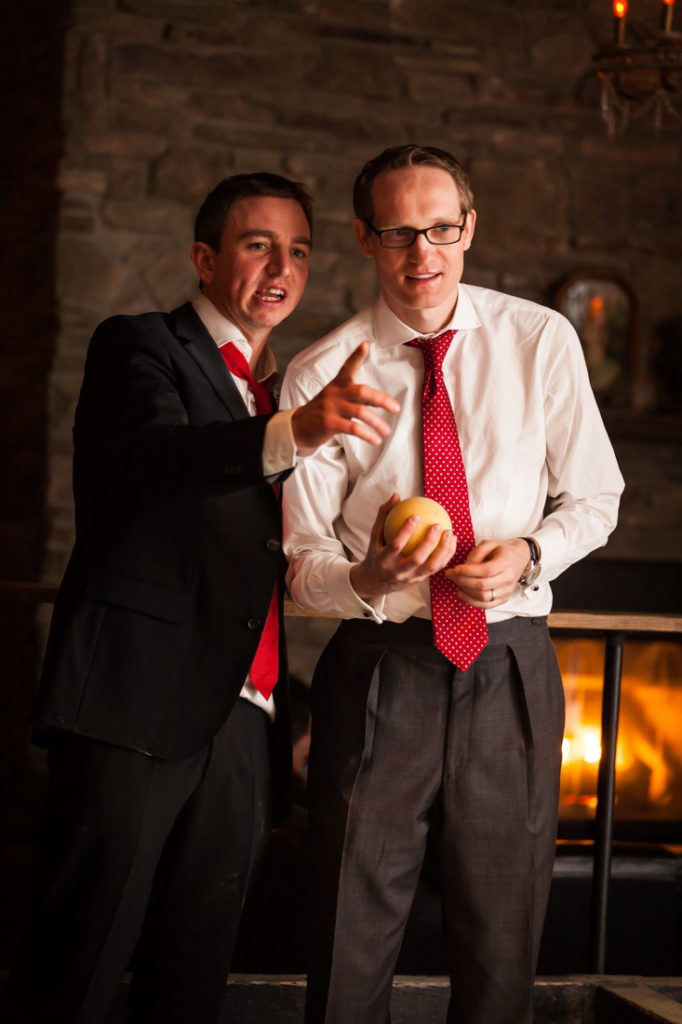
[(640, 71)]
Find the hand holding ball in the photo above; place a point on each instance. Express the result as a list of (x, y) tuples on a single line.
[(430, 513)]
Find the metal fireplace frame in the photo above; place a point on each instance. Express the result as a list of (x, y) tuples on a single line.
[(616, 627)]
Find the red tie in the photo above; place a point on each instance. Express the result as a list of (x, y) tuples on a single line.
[(459, 630), (265, 667), (237, 364)]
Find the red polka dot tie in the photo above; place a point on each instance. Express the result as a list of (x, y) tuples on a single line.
[(265, 667), (459, 630)]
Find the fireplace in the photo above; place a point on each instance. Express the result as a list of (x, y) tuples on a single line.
[(615, 900), (648, 798)]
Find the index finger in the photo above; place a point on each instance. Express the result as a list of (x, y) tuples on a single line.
[(352, 364)]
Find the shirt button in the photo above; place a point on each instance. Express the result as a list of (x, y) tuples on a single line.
[(253, 623), (273, 544)]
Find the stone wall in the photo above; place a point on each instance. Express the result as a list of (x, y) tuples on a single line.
[(163, 97)]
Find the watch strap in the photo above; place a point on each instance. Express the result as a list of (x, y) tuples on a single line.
[(532, 570), (534, 549)]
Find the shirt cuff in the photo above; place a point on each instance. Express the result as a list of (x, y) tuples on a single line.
[(279, 447), (353, 605), (326, 588)]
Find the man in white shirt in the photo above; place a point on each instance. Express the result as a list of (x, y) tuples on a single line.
[(156, 701), (406, 745)]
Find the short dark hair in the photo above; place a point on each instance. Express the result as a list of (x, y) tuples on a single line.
[(410, 155), (215, 210)]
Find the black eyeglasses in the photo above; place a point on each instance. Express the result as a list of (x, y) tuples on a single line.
[(403, 238)]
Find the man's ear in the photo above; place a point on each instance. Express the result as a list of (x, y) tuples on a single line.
[(364, 237), (468, 233), (202, 256)]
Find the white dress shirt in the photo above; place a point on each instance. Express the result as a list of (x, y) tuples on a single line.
[(279, 449), (528, 426)]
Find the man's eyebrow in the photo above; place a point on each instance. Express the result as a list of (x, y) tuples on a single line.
[(435, 221), (259, 232)]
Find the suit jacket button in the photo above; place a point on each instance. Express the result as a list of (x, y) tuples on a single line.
[(273, 544), (253, 623)]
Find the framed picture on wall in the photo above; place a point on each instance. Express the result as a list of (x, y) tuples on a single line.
[(603, 309)]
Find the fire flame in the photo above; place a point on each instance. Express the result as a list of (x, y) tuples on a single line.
[(584, 746)]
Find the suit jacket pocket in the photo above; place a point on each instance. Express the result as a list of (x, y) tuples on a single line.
[(141, 596)]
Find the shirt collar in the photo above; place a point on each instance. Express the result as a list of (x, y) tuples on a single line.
[(390, 331), (223, 330)]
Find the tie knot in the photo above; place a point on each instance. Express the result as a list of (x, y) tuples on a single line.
[(433, 349)]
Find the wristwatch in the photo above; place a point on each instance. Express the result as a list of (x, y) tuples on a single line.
[(534, 568)]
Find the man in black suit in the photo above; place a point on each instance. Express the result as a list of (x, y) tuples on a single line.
[(164, 737)]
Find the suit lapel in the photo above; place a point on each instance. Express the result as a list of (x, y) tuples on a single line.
[(200, 346)]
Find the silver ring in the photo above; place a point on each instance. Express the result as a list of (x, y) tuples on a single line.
[(492, 595)]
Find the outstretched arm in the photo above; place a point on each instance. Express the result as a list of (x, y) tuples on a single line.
[(343, 407)]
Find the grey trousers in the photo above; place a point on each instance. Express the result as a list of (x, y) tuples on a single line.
[(399, 738)]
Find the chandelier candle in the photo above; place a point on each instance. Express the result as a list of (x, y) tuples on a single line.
[(620, 10), (667, 15)]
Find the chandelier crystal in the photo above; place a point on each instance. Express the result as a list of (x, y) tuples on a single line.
[(640, 71)]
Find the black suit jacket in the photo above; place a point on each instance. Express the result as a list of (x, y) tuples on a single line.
[(178, 545)]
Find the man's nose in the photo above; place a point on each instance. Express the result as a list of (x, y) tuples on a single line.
[(420, 247), (279, 264)]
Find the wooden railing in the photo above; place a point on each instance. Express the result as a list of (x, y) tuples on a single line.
[(615, 627)]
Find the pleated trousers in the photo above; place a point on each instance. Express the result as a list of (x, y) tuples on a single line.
[(401, 739)]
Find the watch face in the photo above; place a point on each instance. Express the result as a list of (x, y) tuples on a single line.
[(533, 574)]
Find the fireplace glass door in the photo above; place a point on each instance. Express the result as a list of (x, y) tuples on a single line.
[(648, 802)]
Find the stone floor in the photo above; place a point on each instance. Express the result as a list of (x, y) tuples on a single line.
[(585, 999), (578, 999)]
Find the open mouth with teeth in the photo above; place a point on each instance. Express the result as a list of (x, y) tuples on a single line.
[(271, 294)]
